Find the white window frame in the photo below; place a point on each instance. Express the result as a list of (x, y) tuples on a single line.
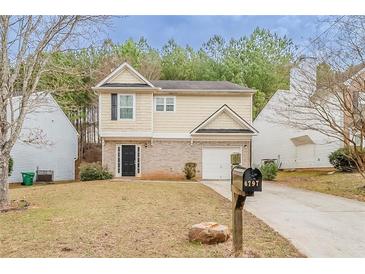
[(164, 103), (134, 106), (118, 159)]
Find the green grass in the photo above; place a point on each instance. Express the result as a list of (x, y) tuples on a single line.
[(349, 185), (126, 219)]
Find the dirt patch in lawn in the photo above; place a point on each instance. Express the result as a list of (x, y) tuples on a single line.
[(15, 205), (126, 219), (348, 185)]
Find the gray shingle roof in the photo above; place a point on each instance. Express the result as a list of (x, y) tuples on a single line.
[(199, 85)]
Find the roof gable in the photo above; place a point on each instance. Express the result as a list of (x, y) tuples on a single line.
[(224, 120), (276, 102), (41, 103), (124, 74)]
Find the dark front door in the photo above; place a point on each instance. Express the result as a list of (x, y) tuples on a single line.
[(128, 160)]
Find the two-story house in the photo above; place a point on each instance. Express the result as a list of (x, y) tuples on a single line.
[(151, 129)]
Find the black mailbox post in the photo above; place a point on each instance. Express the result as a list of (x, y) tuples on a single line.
[(244, 183)]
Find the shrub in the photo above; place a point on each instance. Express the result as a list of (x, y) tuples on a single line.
[(190, 170), (94, 171), (10, 166), (341, 161), (269, 170)]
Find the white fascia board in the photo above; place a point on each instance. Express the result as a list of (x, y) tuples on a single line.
[(126, 134), (125, 88), (167, 135), (223, 134), (206, 91), (136, 134)]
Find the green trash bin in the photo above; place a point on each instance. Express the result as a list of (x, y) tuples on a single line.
[(27, 178)]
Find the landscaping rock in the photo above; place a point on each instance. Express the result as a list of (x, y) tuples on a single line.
[(209, 233)]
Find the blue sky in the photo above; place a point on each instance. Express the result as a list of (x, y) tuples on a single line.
[(195, 30)]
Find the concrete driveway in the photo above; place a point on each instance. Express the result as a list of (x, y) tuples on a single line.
[(319, 225)]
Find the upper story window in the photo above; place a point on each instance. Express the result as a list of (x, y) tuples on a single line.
[(165, 103), (126, 106)]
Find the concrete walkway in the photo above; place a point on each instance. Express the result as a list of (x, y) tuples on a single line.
[(319, 225)]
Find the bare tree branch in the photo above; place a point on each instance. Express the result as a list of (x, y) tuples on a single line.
[(26, 46), (328, 93)]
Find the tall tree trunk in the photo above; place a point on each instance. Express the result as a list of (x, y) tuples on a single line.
[(4, 183)]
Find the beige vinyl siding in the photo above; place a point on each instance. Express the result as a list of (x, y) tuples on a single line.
[(223, 120), (193, 110), (125, 76), (143, 114)]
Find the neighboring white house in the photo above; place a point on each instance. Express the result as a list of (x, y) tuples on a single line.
[(292, 147), (54, 143)]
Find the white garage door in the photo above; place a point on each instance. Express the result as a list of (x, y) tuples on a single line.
[(217, 162)]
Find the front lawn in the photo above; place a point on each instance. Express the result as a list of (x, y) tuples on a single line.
[(349, 185), (126, 219)]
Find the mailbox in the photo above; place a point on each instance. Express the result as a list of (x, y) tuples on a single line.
[(246, 180), (244, 183)]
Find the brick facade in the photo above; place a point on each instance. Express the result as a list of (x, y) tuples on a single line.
[(165, 159)]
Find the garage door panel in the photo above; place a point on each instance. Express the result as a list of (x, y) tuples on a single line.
[(216, 162)]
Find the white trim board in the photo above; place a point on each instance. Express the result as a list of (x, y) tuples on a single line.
[(208, 92), (165, 135), (126, 134)]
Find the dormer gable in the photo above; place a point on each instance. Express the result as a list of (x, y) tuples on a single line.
[(124, 75), (224, 120)]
